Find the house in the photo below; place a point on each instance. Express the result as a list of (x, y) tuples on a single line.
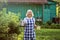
[(49, 11), (43, 9), (57, 10)]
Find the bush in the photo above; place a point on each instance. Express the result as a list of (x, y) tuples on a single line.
[(52, 26), (55, 26), (8, 21), (39, 23), (49, 22), (13, 28)]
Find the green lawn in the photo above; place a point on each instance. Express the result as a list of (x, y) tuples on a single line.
[(48, 34), (45, 34)]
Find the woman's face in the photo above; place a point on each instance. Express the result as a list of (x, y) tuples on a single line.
[(29, 14)]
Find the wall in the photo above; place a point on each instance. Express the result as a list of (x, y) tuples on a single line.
[(22, 8), (48, 14), (49, 11)]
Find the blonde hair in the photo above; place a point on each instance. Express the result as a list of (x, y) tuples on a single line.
[(29, 11)]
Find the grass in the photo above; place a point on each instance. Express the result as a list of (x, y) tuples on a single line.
[(45, 34), (48, 34)]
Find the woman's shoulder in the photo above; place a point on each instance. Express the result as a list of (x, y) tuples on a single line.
[(33, 18), (25, 18)]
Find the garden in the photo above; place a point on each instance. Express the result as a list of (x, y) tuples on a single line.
[(10, 28)]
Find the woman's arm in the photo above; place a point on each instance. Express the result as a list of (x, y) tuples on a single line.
[(35, 26)]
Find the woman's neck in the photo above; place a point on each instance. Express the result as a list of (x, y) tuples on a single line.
[(29, 17)]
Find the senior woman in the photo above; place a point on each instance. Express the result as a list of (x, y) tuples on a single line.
[(29, 22)]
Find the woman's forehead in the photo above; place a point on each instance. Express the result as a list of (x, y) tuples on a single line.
[(29, 12)]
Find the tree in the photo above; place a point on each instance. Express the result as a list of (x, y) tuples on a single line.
[(3, 3), (57, 0)]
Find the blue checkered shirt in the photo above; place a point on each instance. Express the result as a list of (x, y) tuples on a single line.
[(29, 33)]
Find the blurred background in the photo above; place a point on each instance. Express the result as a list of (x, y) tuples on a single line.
[(46, 13)]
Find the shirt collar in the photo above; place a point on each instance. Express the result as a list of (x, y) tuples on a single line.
[(29, 18)]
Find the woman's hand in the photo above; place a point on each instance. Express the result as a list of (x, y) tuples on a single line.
[(35, 26)]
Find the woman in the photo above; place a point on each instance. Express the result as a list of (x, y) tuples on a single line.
[(29, 22)]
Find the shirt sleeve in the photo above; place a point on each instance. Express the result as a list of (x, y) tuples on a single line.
[(25, 21)]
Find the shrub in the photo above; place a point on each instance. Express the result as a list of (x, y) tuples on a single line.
[(52, 26), (7, 22), (49, 22), (55, 26), (39, 23), (13, 28)]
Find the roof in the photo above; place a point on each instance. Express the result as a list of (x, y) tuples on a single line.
[(29, 1)]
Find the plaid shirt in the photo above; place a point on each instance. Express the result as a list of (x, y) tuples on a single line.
[(29, 33)]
